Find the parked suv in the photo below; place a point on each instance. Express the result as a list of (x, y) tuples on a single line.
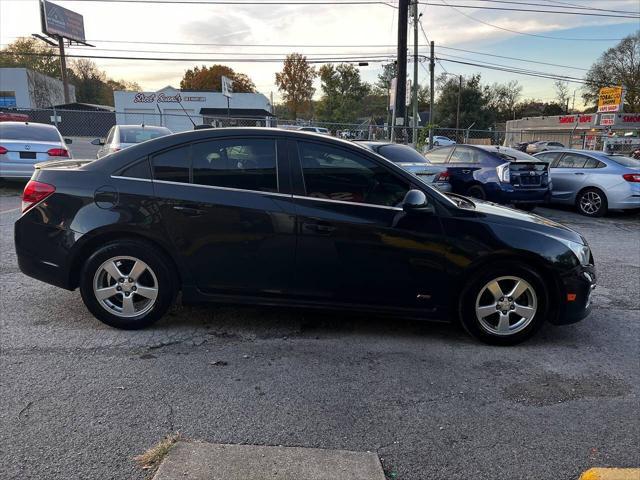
[(274, 217), (123, 136), (498, 174)]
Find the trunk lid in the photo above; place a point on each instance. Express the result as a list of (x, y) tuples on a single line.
[(524, 174)]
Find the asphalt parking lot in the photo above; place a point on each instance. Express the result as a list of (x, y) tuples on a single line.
[(80, 400)]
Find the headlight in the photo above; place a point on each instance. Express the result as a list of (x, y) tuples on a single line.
[(583, 252)]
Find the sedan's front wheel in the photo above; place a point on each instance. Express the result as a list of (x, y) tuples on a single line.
[(504, 305), (127, 284)]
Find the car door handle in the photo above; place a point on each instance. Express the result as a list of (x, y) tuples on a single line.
[(189, 211), (578, 173), (319, 227), (466, 171)]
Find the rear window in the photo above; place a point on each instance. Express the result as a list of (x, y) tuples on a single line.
[(31, 132), (511, 154), (438, 155), (401, 154), (138, 135), (624, 161)]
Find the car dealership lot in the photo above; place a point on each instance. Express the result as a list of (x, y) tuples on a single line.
[(81, 399)]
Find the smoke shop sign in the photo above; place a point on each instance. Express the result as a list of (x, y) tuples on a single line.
[(576, 119), (156, 98)]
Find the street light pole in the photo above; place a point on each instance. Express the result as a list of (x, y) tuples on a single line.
[(432, 108), (458, 110)]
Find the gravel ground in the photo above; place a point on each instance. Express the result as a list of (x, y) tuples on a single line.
[(80, 400)]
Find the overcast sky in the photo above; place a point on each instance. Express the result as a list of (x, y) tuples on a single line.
[(366, 26)]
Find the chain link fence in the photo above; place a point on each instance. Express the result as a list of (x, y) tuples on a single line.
[(83, 126)]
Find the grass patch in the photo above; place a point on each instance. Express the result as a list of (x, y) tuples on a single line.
[(150, 460)]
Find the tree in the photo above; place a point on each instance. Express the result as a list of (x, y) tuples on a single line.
[(210, 79), (32, 54), (474, 104), (93, 85), (295, 81), (389, 72), (537, 108), (343, 93), (619, 65), (562, 94), (502, 99)]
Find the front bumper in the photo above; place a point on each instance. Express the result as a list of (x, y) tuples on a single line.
[(576, 289)]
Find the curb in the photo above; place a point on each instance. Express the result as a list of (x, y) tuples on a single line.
[(611, 474)]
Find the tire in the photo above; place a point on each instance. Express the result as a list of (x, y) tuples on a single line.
[(592, 202), (527, 207), (128, 308), (476, 191), (525, 313)]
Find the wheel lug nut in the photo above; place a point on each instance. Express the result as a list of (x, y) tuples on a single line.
[(120, 280), (126, 294), (513, 307), (504, 312), (119, 289), (130, 279), (510, 299), (134, 288)]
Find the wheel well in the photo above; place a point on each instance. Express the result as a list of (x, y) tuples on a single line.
[(99, 240), (537, 264)]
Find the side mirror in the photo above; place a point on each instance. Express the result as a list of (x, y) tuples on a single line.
[(97, 141), (68, 141), (416, 201)]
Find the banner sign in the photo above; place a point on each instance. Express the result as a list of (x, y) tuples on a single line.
[(227, 87), (610, 99), (61, 22)]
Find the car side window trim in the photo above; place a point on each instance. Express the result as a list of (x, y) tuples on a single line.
[(331, 200), (215, 187)]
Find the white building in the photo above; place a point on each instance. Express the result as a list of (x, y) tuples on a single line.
[(179, 110), (24, 88)]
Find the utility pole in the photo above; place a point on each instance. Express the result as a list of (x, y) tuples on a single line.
[(401, 78), (416, 19), (432, 107), (458, 110), (63, 70)]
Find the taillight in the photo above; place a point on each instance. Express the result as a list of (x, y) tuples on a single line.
[(443, 177), (58, 152), (632, 177), (3, 150), (504, 174), (34, 192)]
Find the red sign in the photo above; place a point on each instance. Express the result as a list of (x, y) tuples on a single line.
[(631, 118), (576, 119)]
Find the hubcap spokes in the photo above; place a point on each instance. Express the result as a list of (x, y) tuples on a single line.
[(590, 202), (506, 305), (125, 286)]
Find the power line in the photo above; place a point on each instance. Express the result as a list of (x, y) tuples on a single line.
[(565, 6), (525, 33), (561, 12)]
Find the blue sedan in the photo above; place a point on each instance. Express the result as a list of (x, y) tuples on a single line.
[(593, 181)]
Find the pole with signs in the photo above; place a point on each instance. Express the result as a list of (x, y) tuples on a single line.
[(401, 86), (227, 91)]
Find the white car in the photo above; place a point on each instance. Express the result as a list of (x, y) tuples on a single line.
[(123, 136), (441, 141), (320, 130), (23, 144)]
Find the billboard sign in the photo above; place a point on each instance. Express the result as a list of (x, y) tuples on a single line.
[(58, 21), (610, 100), (227, 86)]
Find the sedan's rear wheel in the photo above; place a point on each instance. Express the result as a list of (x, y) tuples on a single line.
[(476, 191), (504, 305), (592, 202), (127, 284)]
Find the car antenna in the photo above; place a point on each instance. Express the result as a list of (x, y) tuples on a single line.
[(186, 113)]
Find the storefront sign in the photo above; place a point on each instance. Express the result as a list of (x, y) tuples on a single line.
[(635, 118), (610, 99), (195, 99), (159, 98), (575, 119), (608, 119)]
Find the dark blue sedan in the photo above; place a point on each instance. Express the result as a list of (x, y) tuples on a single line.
[(498, 174)]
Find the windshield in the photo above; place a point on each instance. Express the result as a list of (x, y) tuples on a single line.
[(401, 154), (624, 161), (32, 133), (141, 134)]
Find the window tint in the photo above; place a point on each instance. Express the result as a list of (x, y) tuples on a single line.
[(141, 134), (401, 153), (548, 157), (249, 164), (31, 132), (625, 161), (337, 174), (591, 163), (139, 169), (572, 160), (438, 155), (466, 155), (172, 165)]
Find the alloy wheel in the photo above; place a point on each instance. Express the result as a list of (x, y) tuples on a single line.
[(506, 305), (125, 286), (590, 202)]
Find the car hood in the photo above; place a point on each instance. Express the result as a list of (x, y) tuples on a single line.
[(530, 221)]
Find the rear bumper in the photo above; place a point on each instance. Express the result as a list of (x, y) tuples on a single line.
[(506, 193), (43, 252), (16, 170), (575, 301)]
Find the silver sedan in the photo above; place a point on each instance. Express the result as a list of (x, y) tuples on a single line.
[(593, 181)]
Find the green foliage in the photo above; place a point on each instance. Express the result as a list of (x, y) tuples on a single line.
[(474, 104), (295, 81), (619, 65), (210, 79), (32, 54), (343, 93)]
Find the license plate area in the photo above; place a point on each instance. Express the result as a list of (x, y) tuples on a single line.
[(28, 155), (529, 180)]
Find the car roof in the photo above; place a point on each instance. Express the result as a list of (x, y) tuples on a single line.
[(592, 153), (150, 127), (29, 125)]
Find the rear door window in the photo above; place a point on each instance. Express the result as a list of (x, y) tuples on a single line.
[(246, 164), (548, 157), (572, 160), (438, 155), (172, 165)]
